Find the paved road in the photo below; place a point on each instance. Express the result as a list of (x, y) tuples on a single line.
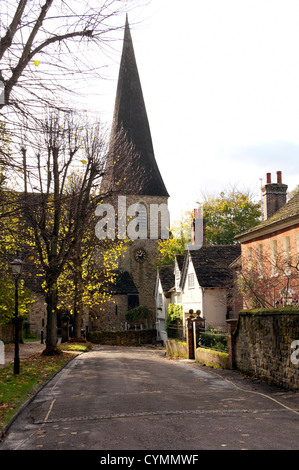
[(136, 399)]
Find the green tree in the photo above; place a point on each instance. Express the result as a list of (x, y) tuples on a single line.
[(176, 244), (10, 237), (174, 319), (7, 296), (83, 283), (229, 214)]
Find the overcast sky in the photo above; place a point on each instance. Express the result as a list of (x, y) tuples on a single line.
[(221, 85)]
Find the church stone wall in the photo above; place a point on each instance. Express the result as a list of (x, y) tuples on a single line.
[(110, 316), (37, 317), (142, 272)]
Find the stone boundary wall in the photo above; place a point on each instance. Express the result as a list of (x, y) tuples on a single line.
[(261, 346), (7, 333), (123, 338), (176, 348), (206, 356), (213, 358)]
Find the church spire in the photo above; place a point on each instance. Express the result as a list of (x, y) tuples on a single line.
[(133, 172)]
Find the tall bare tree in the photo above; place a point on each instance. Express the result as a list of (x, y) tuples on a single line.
[(55, 216), (46, 45), (63, 162)]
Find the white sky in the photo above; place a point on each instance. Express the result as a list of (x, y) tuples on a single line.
[(220, 80)]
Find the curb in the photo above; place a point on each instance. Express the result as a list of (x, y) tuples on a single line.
[(31, 398)]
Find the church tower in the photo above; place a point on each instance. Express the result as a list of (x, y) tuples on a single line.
[(132, 176), (132, 169)]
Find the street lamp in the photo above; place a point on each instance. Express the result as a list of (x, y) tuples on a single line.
[(17, 268)]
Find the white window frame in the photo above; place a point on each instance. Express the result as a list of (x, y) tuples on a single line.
[(191, 281), (274, 258), (260, 260), (287, 255)]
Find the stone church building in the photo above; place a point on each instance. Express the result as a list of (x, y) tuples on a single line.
[(132, 177)]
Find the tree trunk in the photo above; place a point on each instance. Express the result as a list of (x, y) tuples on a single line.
[(77, 323), (51, 339), (78, 303)]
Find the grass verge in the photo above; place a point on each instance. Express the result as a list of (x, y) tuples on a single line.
[(34, 372)]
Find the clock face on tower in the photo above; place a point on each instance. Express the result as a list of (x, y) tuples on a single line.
[(140, 255)]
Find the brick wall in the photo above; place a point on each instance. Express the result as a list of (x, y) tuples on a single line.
[(278, 235), (262, 343), (269, 256)]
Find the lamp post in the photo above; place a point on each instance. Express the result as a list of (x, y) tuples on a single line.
[(17, 268)]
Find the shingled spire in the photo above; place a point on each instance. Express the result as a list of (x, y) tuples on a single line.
[(131, 172)]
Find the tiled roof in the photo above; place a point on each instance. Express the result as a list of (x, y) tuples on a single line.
[(180, 260), (138, 173), (288, 212), (122, 283), (211, 264), (166, 275)]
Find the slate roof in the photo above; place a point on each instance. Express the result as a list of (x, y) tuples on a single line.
[(122, 284), (137, 173), (211, 264), (180, 260), (166, 275), (289, 212)]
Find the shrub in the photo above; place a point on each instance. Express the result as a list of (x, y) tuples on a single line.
[(174, 320), (139, 313), (211, 340)]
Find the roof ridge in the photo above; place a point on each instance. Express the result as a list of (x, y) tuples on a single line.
[(282, 214)]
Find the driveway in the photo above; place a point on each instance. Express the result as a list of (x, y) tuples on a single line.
[(117, 398)]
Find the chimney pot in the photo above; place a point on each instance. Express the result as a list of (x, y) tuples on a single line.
[(274, 195)]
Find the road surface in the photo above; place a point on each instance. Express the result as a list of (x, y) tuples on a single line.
[(118, 398)]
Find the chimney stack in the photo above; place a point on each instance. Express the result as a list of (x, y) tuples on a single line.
[(198, 228), (274, 195)]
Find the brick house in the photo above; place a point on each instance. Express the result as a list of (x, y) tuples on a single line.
[(270, 251)]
